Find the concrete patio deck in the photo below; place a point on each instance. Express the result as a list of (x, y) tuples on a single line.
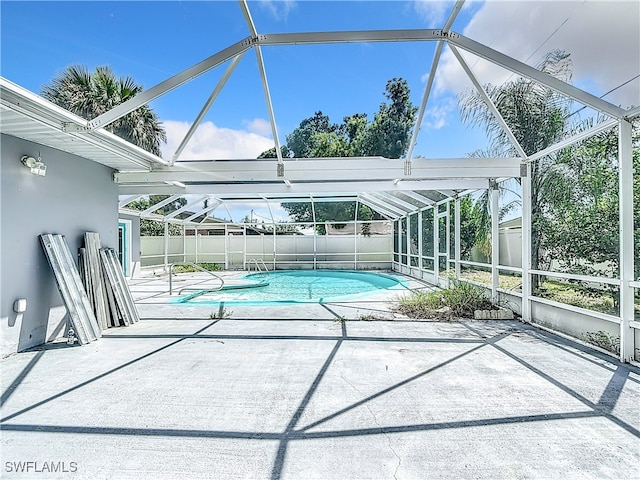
[(291, 392)]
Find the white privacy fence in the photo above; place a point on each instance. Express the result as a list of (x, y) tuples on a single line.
[(280, 251)]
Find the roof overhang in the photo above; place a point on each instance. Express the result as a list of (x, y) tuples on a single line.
[(25, 115)]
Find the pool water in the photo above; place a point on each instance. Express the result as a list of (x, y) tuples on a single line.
[(300, 286)]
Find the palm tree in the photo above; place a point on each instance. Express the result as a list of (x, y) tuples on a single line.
[(89, 94), (537, 116)]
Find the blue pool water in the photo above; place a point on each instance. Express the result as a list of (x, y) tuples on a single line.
[(299, 286)]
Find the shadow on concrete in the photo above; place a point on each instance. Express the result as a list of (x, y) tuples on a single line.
[(21, 376), (293, 432), (98, 377)]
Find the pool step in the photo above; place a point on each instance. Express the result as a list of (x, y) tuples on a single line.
[(200, 292)]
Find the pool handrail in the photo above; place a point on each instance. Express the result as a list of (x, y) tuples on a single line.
[(197, 267), (256, 260)]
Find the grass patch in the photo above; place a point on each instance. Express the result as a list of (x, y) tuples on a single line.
[(212, 267), (603, 340), (459, 300), (224, 313), (571, 293), (508, 282), (578, 296)]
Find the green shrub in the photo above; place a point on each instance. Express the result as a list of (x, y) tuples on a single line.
[(459, 300), (463, 298), (603, 340), (212, 267)]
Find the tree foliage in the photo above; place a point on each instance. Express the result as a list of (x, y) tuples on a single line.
[(390, 132), (388, 135), (537, 117), (574, 192), (153, 228), (582, 213), (89, 94), (472, 226)]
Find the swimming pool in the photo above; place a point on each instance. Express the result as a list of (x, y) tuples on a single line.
[(298, 286)]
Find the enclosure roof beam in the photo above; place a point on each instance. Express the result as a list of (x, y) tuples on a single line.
[(204, 211), (387, 213), (242, 46), (226, 207), (165, 86), (393, 200), (212, 98), (452, 38), (263, 76), (381, 203), (159, 205), (488, 102), (432, 75), (446, 192), (404, 196), (273, 220), (151, 216), (409, 35), (299, 188), (578, 137), (632, 112), (532, 73), (420, 198), (326, 169), (128, 199), (184, 208)]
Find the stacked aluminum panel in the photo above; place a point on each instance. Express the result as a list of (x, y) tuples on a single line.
[(94, 279), (98, 297), (120, 296), (82, 319)]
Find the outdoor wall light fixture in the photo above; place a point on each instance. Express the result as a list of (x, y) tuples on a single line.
[(37, 167)]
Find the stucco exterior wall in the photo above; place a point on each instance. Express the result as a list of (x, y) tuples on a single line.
[(75, 196)]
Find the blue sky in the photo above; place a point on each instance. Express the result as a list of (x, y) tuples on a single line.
[(152, 41)]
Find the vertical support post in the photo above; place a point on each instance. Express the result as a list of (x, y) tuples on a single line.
[(196, 249), (315, 234), (448, 237), (166, 245), (456, 209), (275, 247), (355, 238), (226, 246), (436, 245), (396, 243), (244, 248), (526, 241), (420, 234), (409, 230), (495, 241), (315, 247), (625, 154), (184, 243)]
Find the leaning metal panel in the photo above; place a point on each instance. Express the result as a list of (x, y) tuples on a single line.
[(121, 292), (97, 291), (70, 286)]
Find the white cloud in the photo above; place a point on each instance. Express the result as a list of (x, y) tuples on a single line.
[(259, 126), (434, 12), (278, 8), (211, 142), (437, 116), (603, 39)]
